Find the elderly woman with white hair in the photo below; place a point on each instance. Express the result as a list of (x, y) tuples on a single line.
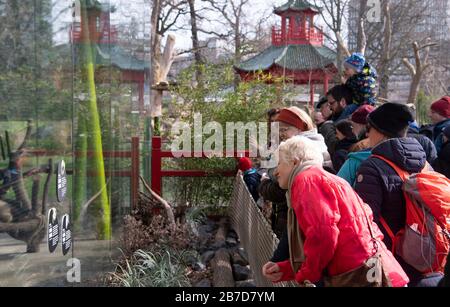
[(332, 236)]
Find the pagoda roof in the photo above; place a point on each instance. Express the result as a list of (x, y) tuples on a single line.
[(113, 55), (116, 56), (297, 5), (97, 5), (291, 57)]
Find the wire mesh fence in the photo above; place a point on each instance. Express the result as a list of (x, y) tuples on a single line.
[(254, 231)]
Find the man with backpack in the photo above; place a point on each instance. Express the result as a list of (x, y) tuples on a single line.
[(416, 222)]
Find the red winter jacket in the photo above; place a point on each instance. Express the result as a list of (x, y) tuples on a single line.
[(337, 238)]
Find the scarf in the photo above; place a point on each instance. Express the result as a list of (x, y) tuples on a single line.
[(295, 235)]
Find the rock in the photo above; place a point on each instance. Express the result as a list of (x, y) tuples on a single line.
[(231, 241), (211, 226), (208, 228), (198, 266), (243, 253), (207, 256), (219, 244), (204, 283), (191, 260), (203, 234), (233, 234), (241, 272), (238, 259), (250, 283)]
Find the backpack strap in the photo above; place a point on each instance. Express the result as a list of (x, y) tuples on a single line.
[(404, 176), (390, 233)]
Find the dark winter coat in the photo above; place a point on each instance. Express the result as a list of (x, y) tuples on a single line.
[(271, 191), (438, 134), (442, 163), (364, 86), (252, 179), (328, 131), (426, 143), (342, 151), (381, 188)]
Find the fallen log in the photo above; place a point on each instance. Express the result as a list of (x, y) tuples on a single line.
[(222, 271)]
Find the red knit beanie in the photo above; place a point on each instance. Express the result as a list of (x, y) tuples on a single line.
[(442, 107), (291, 117), (245, 164), (360, 115)]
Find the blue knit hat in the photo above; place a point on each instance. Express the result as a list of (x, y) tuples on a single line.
[(356, 62)]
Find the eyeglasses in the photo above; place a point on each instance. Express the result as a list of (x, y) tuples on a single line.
[(332, 102)]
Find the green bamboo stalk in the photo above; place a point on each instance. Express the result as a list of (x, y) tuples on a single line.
[(93, 126), (80, 170)]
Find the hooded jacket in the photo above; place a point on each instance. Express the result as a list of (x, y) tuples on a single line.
[(334, 222), (381, 188), (351, 166)]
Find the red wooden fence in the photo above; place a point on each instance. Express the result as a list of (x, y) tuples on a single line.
[(133, 173), (158, 173)]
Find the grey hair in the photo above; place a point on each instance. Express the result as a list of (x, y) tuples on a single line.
[(300, 148)]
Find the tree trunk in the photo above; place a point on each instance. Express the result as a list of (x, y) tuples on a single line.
[(383, 70), (361, 41), (237, 51), (414, 90), (196, 44)]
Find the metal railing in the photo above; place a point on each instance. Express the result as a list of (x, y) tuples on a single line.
[(255, 234)]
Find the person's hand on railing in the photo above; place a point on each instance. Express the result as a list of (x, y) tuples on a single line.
[(272, 272)]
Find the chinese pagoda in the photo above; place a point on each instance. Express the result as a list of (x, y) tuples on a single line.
[(297, 52), (107, 50)]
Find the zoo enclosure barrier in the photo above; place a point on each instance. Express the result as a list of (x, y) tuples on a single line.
[(255, 234)]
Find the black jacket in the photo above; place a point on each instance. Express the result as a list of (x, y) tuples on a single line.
[(328, 131), (427, 144), (442, 163), (381, 188), (341, 153), (252, 179), (271, 191)]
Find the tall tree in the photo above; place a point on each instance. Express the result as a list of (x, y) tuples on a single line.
[(418, 70), (388, 41), (199, 62)]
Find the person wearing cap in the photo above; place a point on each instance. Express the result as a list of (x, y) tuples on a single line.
[(361, 79), (440, 116), (379, 185), (292, 122), (442, 163), (251, 177)]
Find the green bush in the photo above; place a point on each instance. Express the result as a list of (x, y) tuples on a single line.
[(217, 101)]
